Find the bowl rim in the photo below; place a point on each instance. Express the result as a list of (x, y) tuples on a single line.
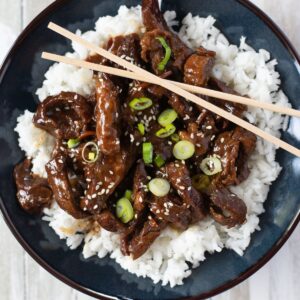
[(247, 273)]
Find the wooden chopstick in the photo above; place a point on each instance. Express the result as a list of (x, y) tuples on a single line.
[(176, 89), (194, 89)]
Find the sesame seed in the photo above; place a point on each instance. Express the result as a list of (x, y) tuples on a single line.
[(94, 196), (182, 187), (189, 188), (222, 140), (213, 137), (107, 191), (111, 172), (192, 136), (95, 206), (170, 143), (89, 197), (209, 127), (88, 180)]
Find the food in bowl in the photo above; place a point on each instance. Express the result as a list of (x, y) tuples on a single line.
[(137, 172)]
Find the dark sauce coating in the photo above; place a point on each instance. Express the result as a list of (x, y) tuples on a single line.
[(90, 188), (34, 193), (64, 116)]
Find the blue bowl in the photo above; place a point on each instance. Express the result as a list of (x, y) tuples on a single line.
[(22, 73)]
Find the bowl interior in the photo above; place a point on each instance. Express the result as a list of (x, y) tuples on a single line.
[(22, 74)]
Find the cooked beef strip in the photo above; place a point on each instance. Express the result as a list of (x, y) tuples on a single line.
[(233, 148), (172, 210), (103, 177), (127, 47), (178, 175), (64, 116), (152, 16), (184, 109), (141, 241), (33, 192), (109, 222), (107, 113), (227, 208), (66, 191), (198, 67)]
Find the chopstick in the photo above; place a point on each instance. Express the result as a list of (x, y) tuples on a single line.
[(176, 89), (194, 89)]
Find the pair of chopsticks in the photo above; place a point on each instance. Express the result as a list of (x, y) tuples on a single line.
[(180, 89)]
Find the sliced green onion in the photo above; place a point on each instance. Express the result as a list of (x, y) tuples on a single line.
[(92, 151), (200, 182), (159, 187), (140, 103), (211, 166), (92, 156), (162, 65), (167, 117), (183, 150), (128, 195), (165, 132), (159, 161), (124, 210), (147, 153), (72, 143), (175, 137), (141, 128)]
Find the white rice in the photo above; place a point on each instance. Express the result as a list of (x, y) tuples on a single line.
[(249, 72)]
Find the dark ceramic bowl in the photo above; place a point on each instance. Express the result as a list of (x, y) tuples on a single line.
[(22, 73)]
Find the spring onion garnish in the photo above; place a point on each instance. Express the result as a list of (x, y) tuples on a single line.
[(162, 65), (165, 132), (167, 117), (90, 152), (183, 150), (140, 103), (72, 143), (211, 166), (141, 128), (200, 182), (92, 156), (147, 153), (124, 210), (175, 137), (159, 187), (159, 161), (128, 195)]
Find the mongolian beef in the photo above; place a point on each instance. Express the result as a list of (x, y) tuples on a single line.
[(136, 158)]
